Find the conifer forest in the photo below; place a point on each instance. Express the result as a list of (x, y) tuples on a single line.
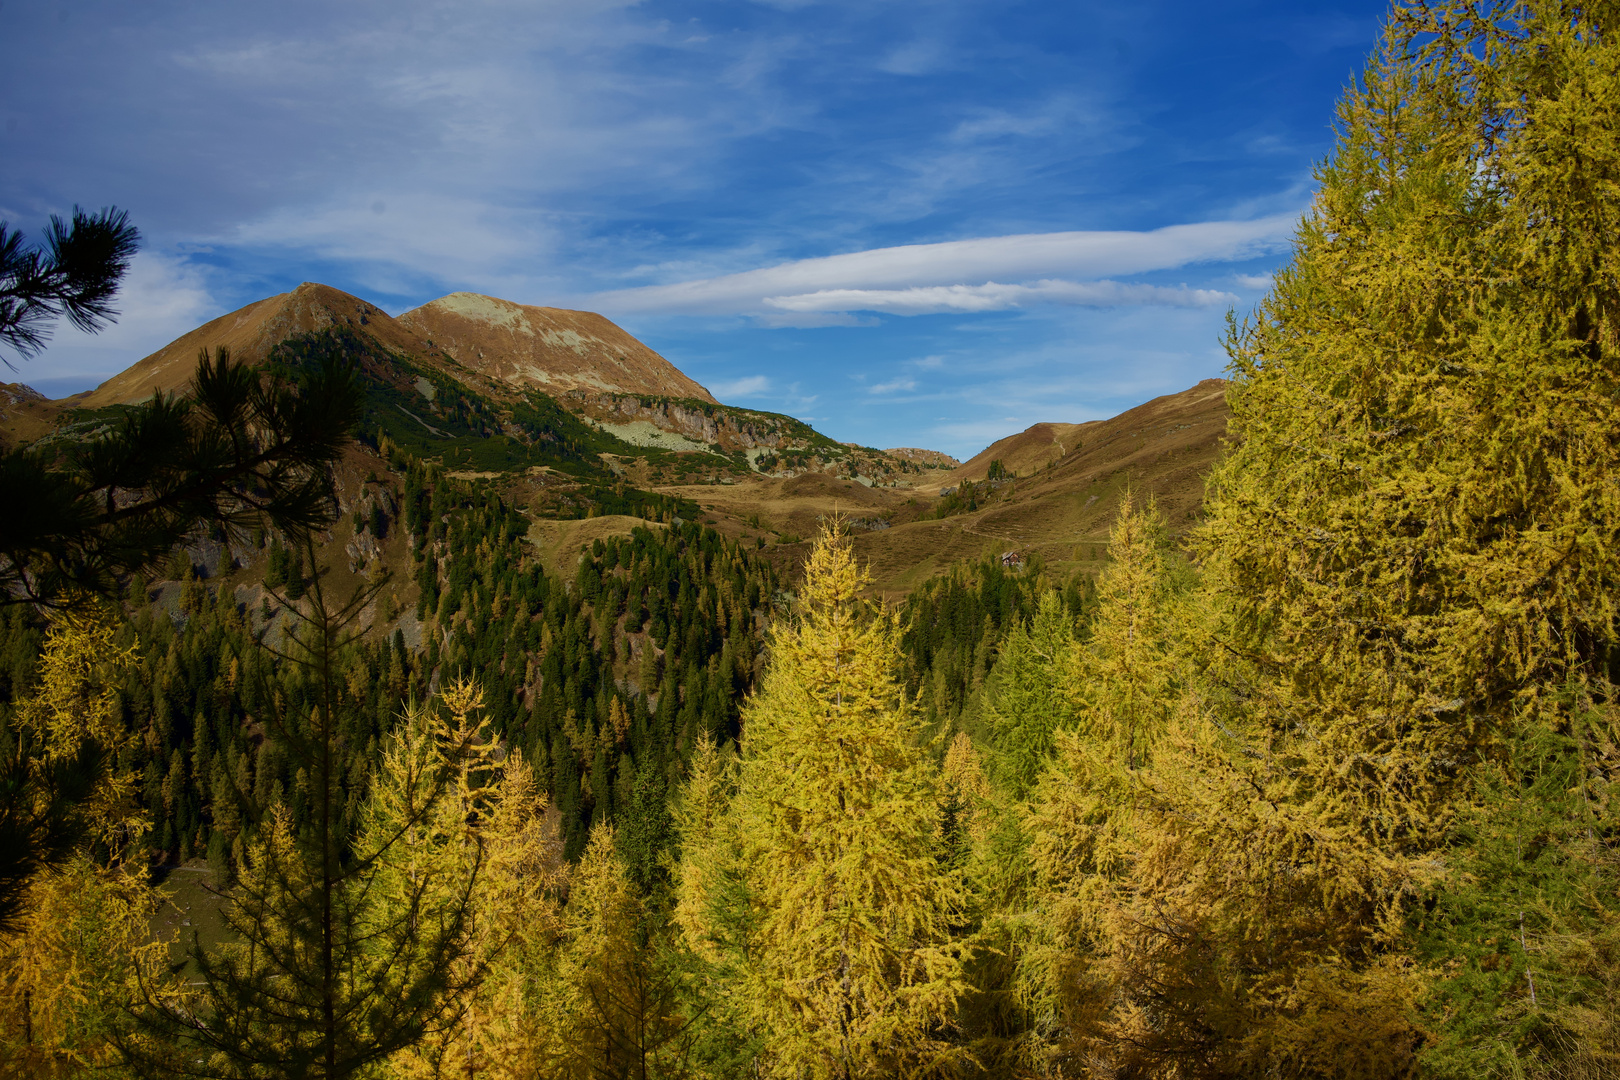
[(1325, 784)]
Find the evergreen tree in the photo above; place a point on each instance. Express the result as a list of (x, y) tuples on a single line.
[(341, 954), (1523, 939), (76, 274), (1030, 694), (240, 447)]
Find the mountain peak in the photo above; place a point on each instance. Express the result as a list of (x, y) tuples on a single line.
[(553, 349), (250, 333)]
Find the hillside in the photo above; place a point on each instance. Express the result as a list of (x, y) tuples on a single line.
[(1023, 453), (552, 755), (1058, 505), (475, 367), (250, 333), (569, 417), (552, 349)]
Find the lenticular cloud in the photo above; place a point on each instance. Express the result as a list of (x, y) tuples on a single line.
[(1048, 268), (992, 296)]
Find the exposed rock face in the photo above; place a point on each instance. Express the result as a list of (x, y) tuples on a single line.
[(552, 349), (933, 458), (730, 429), (18, 394)]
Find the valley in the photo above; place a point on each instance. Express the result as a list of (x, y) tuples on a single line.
[(473, 692), (569, 418)]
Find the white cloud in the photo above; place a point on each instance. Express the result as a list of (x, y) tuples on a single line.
[(747, 386), (927, 363), (1254, 281), (160, 300), (812, 320), (479, 127), (463, 236), (1007, 258), (797, 400), (894, 385), (1045, 120), (992, 296)]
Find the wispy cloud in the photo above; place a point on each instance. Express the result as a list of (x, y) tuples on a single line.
[(915, 58), (893, 386), (693, 158), (810, 320), (991, 296), (895, 272), (1050, 117), (747, 386)]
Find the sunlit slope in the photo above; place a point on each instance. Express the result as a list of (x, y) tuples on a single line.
[(476, 367), (488, 343), (250, 333), (1020, 454), (1062, 511), (551, 349), (576, 419)]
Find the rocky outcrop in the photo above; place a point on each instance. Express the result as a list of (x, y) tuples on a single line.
[(933, 459), (730, 429)]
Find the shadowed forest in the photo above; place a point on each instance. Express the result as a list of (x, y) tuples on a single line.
[(1323, 786)]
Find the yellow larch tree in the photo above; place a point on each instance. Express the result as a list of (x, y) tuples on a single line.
[(616, 1008), (83, 937), (1411, 557), (455, 811), (1085, 817), (847, 966)]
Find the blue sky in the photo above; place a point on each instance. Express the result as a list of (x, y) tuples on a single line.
[(925, 224)]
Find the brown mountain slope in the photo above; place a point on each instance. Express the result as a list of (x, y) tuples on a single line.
[(25, 414), (250, 333), (1163, 449), (1021, 454), (554, 349), (496, 344)]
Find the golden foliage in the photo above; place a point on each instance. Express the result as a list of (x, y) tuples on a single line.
[(1411, 556), (74, 704), (85, 936), (71, 968), (487, 833), (838, 928)]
